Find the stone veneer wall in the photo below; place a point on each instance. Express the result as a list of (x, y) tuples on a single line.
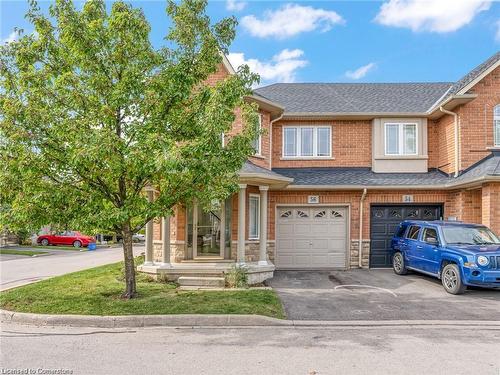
[(252, 251), (177, 252), (354, 254)]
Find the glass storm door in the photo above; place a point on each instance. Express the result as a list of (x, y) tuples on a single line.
[(205, 231)]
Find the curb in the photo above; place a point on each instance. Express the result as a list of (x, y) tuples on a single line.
[(45, 254), (128, 321), (198, 320)]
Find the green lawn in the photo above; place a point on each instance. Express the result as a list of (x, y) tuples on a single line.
[(22, 252), (97, 292)]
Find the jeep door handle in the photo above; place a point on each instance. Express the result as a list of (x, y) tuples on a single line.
[(419, 247)]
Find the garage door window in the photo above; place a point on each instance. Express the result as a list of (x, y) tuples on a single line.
[(336, 214), (254, 214), (286, 214), (302, 214), (320, 214)]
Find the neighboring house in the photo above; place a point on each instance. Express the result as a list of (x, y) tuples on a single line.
[(338, 167)]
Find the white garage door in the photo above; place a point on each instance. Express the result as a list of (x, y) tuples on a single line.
[(311, 237)]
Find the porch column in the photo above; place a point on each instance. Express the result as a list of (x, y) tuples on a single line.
[(222, 237), (241, 223), (148, 261), (194, 253), (263, 225), (165, 234)]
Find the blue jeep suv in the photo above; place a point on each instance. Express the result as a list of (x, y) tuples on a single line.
[(457, 253)]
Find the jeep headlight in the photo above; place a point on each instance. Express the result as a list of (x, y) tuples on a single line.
[(482, 260)]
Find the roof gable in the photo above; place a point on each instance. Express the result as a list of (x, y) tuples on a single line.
[(465, 83)]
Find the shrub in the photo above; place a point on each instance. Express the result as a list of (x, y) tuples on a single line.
[(23, 237), (236, 277)]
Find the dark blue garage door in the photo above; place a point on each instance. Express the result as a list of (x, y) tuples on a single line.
[(383, 223)]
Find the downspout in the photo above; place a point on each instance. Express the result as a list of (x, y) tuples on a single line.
[(271, 139), (457, 147), (360, 245)]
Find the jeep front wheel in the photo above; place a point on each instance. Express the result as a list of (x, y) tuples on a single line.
[(452, 279), (398, 264)]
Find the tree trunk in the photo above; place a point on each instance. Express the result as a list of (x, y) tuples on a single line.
[(128, 255)]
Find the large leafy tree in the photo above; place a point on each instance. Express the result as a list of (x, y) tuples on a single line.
[(92, 115)]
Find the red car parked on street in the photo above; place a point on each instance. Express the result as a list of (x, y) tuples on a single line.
[(68, 238)]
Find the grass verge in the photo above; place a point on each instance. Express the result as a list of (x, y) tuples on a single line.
[(27, 253), (50, 247), (97, 291)]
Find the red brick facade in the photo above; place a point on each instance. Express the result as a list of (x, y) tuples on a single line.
[(351, 144), (476, 127), (476, 120), (352, 147)]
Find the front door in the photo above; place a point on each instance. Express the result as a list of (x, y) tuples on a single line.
[(204, 230), (208, 238)]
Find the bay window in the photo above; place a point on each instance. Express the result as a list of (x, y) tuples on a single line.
[(306, 141), (400, 139)]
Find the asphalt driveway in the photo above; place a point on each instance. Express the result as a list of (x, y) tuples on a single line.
[(378, 295)]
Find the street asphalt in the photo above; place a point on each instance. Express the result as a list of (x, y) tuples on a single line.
[(252, 350), (19, 270), (378, 295)]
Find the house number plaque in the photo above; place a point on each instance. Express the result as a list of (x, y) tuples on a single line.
[(313, 199)]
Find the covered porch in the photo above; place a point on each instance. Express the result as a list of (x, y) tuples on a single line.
[(195, 246)]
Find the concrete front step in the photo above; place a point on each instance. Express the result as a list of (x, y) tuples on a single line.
[(198, 281)]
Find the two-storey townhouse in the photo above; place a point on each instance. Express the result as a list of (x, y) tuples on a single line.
[(337, 167)]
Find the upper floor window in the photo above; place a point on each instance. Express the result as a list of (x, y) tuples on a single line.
[(400, 139), (307, 141), (257, 142), (496, 125)]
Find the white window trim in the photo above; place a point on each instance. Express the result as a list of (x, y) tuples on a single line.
[(401, 139), (298, 142), (257, 196), (258, 151), (496, 117)]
